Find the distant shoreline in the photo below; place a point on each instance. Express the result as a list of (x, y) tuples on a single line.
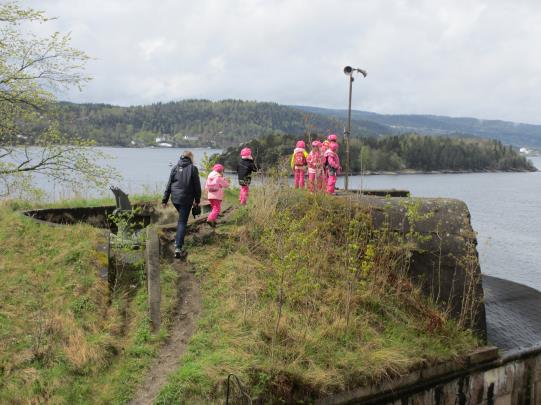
[(409, 172)]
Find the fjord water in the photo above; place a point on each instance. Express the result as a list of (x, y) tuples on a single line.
[(505, 207)]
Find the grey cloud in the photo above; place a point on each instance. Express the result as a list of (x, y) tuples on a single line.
[(460, 58)]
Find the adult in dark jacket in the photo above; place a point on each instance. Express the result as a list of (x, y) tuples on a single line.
[(184, 187)]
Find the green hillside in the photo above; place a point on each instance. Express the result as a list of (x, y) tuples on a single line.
[(510, 133), (196, 122)]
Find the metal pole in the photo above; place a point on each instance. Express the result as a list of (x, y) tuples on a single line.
[(346, 181)]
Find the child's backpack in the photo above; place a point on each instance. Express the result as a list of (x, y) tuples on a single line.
[(213, 184), (299, 158)]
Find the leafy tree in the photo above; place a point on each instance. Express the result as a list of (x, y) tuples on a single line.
[(145, 137), (31, 69)]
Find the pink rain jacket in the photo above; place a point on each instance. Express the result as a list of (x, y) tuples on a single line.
[(215, 186), (315, 161), (333, 160)]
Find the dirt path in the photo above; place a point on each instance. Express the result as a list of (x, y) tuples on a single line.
[(184, 321), (186, 314)]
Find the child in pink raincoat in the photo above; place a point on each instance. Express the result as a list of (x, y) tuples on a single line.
[(315, 166), (324, 175), (245, 169), (299, 163), (332, 163), (332, 138), (215, 185)]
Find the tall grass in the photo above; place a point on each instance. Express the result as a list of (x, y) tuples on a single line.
[(64, 339), (304, 297)]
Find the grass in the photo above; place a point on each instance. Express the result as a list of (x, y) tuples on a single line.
[(64, 338), (302, 298)]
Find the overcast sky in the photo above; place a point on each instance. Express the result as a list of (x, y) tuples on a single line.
[(479, 58)]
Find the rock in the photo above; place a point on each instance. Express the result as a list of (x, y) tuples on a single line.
[(444, 260)]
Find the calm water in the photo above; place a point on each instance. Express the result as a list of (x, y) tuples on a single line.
[(505, 207)]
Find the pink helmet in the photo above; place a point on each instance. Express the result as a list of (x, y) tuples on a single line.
[(218, 168), (301, 144), (316, 144), (333, 146), (246, 152), (332, 137)]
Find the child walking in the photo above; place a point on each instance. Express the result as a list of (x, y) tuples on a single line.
[(216, 182), (332, 163), (315, 167), (299, 163), (245, 169)]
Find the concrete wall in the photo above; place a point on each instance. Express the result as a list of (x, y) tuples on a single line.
[(95, 216), (514, 379), (444, 260)]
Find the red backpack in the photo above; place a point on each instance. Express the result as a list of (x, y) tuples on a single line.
[(299, 159)]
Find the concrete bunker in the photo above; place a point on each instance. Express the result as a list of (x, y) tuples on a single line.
[(123, 264), (444, 260), (445, 264)]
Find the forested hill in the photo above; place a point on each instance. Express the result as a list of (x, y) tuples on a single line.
[(197, 122), (397, 153), (510, 133)]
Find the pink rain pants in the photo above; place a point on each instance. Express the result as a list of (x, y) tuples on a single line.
[(216, 206), (243, 197), (331, 181), (311, 181), (299, 178)]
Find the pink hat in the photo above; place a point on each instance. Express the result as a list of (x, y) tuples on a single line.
[(332, 137), (301, 144), (246, 152), (334, 146), (218, 168), (316, 144)]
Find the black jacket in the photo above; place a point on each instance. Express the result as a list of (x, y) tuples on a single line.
[(245, 169), (184, 185)]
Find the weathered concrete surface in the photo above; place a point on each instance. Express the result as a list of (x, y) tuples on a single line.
[(152, 264), (390, 192), (513, 313), (508, 380), (444, 259), (95, 216)]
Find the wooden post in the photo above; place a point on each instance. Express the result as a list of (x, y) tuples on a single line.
[(152, 261)]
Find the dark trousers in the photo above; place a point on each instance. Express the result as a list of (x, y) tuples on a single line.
[(183, 215)]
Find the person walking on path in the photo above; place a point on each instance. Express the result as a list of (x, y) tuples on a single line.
[(299, 163), (214, 186), (245, 169), (184, 187)]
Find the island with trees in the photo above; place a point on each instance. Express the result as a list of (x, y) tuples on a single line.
[(410, 153)]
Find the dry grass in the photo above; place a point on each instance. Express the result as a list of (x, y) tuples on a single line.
[(303, 298), (63, 338)]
